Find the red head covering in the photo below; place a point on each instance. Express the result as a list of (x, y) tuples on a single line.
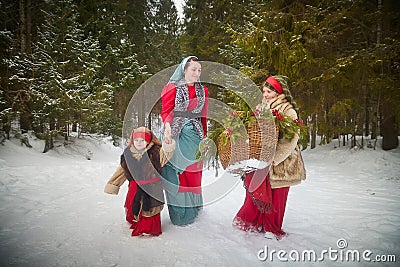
[(275, 84), (141, 133)]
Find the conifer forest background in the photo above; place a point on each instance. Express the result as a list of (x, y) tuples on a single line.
[(73, 65)]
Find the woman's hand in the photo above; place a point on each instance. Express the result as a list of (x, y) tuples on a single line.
[(167, 134)]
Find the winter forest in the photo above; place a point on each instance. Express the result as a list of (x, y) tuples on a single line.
[(72, 66), (69, 70)]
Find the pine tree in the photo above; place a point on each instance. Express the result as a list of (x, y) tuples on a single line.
[(6, 97), (60, 73), (120, 28), (124, 74), (162, 35), (205, 23), (328, 51)]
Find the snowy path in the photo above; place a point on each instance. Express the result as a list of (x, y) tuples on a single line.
[(54, 213)]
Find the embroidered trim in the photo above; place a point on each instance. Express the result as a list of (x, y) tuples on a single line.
[(181, 105)]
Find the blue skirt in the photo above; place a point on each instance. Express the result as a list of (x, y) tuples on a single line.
[(182, 178)]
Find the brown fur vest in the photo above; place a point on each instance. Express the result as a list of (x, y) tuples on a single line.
[(289, 172), (288, 167)]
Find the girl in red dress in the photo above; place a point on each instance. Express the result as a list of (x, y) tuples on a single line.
[(141, 165)]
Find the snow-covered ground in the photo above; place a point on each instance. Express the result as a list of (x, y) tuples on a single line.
[(54, 213)]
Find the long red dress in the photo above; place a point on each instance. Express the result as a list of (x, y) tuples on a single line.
[(145, 225), (255, 216)]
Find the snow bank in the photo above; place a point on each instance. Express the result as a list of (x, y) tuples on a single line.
[(54, 213)]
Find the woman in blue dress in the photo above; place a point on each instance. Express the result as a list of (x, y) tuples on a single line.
[(184, 112)]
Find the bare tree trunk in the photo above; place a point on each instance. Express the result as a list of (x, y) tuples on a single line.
[(29, 26), (25, 120), (374, 134), (374, 126), (66, 130), (314, 131), (354, 139), (46, 146), (22, 25), (25, 41), (52, 128), (49, 144), (389, 130), (389, 127), (366, 110), (379, 26)]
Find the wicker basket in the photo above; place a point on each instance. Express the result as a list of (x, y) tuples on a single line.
[(232, 152), (263, 137), (261, 145)]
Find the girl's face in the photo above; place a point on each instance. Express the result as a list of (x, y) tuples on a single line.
[(269, 94), (192, 73), (140, 143)]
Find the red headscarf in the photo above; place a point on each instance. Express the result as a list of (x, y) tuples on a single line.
[(275, 84), (141, 133)]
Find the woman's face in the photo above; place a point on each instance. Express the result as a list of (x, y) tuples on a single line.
[(268, 94), (192, 73)]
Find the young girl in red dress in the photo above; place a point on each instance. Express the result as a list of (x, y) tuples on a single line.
[(141, 164)]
